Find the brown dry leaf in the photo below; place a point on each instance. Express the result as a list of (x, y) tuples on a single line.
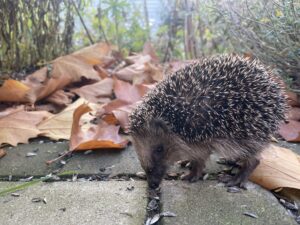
[(2, 153), (137, 69), (13, 91), (96, 92), (17, 125), (97, 136), (59, 126), (67, 69), (148, 50), (294, 113), (129, 93), (122, 115), (293, 99), (60, 97), (279, 167), (290, 131), (173, 66)]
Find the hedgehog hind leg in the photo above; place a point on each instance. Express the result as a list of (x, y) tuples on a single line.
[(240, 179)]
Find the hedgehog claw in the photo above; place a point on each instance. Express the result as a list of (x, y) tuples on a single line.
[(231, 181)]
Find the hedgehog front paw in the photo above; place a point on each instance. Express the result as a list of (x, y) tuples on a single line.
[(191, 177), (195, 173)]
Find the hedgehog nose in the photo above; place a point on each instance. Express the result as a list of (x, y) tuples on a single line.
[(153, 185)]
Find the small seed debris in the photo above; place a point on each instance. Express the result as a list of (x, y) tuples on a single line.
[(154, 219), (63, 209), (173, 175), (26, 179), (252, 215), (74, 177), (63, 162), (168, 214), (205, 176), (31, 154), (127, 214), (130, 188), (233, 189), (15, 194), (141, 175), (37, 199), (88, 152), (289, 205), (152, 205)]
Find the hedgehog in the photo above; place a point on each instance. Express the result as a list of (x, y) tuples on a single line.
[(224, 104)]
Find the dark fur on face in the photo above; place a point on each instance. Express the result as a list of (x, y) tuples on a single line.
[(154, 146)]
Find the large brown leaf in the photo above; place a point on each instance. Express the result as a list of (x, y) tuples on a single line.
[(129, 93), (14, 91), (67, 69), (279, 167), (97, 136), (141, 71), (98, 92), (290, 131), (17, 125), (59, 126)]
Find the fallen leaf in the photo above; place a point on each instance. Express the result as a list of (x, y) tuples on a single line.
[(129, 93), (148, 50), (17, 125), (293, 99), (60, 97), (14, 91), (290, 131), (294, 113), (65, 70), (2, 153), (129, 73), (97, 136), (59, 126), (96, 92), (279, 167)]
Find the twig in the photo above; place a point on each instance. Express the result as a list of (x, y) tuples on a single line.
[(63, 155), (86, 30)]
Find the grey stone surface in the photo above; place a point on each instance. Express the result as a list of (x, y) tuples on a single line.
[(73, 203), (112, 162), (205, 203), (17, 164)]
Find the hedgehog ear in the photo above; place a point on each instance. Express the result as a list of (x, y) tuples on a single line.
[(159, 126)]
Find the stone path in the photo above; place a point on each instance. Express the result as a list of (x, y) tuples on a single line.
[(123, 198)]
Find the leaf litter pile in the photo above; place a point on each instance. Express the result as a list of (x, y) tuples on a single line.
[(86, 97)]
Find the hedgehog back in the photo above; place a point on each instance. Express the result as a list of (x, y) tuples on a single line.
[(220, 97)]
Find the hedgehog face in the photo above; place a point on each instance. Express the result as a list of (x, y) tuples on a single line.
[(153, 145)]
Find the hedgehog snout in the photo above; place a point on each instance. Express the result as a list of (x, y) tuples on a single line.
[(155, 175)]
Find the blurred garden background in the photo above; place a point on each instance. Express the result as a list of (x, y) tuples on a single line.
[(33, 32)]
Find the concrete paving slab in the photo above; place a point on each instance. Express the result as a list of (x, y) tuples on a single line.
[(16, 163), (73, 203), (112, 162), (204, 203)]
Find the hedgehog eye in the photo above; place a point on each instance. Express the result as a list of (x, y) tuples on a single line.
[(159, 149), (149, 171)]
